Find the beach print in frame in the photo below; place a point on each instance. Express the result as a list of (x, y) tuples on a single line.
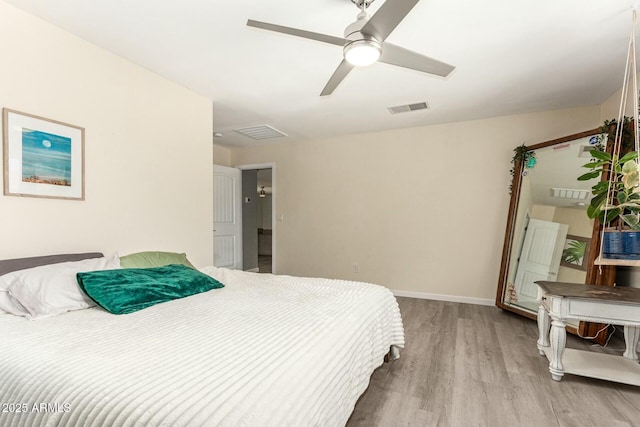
[(42, 157)]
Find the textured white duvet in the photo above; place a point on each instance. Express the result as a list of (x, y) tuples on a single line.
[(265, 350)]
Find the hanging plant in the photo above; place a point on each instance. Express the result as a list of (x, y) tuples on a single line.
[(522, 156), (609, 129), (618, 198)]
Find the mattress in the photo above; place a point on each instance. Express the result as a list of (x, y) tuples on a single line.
[(266, 350)]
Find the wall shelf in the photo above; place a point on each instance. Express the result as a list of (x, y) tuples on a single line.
[(618, 262)]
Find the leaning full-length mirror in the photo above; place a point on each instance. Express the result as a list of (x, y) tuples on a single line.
[(549, 235)]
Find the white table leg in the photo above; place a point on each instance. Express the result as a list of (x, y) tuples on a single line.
[(543, 329), (558, 342), (631, 335)]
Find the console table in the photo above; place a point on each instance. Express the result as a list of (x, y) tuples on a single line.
[(560, 302)]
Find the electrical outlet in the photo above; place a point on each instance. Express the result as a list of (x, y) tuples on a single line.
[(355, 267)]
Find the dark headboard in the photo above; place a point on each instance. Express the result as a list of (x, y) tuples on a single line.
[(9, 265)]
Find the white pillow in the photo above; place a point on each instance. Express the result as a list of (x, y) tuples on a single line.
[(52, 289), (9, 304)]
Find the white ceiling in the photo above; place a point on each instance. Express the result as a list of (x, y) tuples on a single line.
[(512, 56)]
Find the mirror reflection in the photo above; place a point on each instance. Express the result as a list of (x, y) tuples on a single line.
[(552, 232)]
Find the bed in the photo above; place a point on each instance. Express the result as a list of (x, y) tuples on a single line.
[(265, 350)]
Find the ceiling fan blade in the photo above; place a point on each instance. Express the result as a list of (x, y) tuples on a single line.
[(387, 18), (396, 55), (338, 75), (338, 41)]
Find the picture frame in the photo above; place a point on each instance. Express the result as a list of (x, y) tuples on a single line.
[(42, 157), (575, 252)]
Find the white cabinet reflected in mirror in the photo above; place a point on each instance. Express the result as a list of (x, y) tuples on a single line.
[(549, 235)]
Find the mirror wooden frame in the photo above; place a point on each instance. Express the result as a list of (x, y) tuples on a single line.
[(596, 275)]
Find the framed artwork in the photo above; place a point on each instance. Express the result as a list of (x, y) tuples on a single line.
[(42, 157), (575, 252)]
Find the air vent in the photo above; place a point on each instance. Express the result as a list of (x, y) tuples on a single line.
[(260, 132), (585, 150), (409, 107), (570, 193)]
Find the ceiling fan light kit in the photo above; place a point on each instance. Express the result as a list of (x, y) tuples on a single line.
[(362, 52), (364, 42)]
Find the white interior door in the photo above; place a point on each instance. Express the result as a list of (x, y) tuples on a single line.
[(227, 217), (540, 256)]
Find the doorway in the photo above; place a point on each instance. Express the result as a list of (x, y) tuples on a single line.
[(265, 221), (258, 217)]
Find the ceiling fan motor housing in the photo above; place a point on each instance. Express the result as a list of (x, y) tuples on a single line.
[(361, 42), (352, 32)]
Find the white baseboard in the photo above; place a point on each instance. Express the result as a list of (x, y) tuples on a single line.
[(441, 297), (254, 270)]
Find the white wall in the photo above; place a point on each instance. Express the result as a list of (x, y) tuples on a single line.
[(148, 148), (420, 209)]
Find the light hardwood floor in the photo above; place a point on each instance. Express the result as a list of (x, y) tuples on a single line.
[(469, 365)]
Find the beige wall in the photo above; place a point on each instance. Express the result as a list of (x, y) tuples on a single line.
[(610, 108), (420, 209), (148, 149), (543, 212), (577, 220), (221, 155)]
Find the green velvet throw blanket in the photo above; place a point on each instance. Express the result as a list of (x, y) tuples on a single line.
[(127, 290)]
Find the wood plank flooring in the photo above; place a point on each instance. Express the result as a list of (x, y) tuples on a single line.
[(264, 263), (470, 365)]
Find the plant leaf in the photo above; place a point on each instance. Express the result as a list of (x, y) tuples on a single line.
[(594, 212), (593, 165), (622, 197), (574, 252), (631, 155), (629, 166), (598, 200), (600, 155), (630, 180), (612, 214), (601, 186), (632, 220), (589, 175)]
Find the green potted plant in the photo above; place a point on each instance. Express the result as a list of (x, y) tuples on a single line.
[(616, 201)]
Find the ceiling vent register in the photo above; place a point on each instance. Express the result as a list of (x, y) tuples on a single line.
[(570, 193), (408, 108), (260, 132)]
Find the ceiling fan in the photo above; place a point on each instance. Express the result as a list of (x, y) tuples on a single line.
[(364, 42)]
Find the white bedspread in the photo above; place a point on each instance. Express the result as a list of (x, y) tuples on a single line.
[(265, 350)]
